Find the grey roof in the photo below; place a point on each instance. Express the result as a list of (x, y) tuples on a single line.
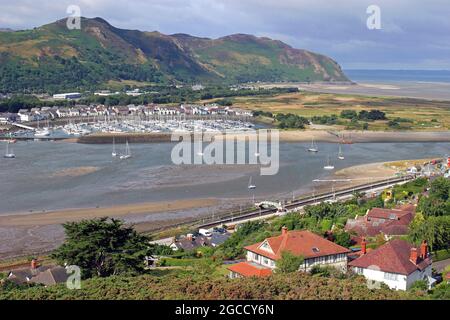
[(45, 275)]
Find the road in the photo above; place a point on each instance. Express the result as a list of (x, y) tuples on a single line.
[(441, 265)]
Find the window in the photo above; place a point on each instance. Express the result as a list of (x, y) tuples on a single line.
[(390, 276)]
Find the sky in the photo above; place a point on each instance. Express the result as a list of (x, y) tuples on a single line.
[(413, 34)]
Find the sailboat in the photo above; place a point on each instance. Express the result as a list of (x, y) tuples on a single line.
[(127, 154), (114, 153), (329, 166), (9, 154), (313, 147), (250, 185), (340, 154)]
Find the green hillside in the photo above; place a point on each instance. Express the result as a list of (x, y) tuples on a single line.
[(52, 58)]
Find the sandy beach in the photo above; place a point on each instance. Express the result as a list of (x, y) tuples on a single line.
[(62, 216)]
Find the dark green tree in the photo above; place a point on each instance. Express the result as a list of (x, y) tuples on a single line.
[(102, 247)]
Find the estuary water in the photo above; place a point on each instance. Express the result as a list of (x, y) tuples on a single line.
[(59, 175)]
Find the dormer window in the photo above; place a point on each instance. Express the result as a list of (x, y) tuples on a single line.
[(315, 250)]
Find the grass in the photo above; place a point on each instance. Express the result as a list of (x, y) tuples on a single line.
[(420, 114), (441, 255)]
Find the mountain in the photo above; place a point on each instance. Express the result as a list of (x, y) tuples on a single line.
[(52, 57)]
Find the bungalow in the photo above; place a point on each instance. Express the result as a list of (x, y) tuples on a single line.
[(313, 248), (390, 222), (188, 243), (45, 275), (397, 264)]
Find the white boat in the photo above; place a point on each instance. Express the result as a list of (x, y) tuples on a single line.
[(42, 133), (9, 154), (250, 185), (329, 166), (313, 147), (114, 153), (127, 154), (257, 154), (340, 154)]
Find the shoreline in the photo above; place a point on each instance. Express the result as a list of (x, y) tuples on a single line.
[(285, 136)]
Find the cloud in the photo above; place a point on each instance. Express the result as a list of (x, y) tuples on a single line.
[(414, 33)]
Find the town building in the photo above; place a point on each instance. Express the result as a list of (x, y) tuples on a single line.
[(315, 250), (397, 263), (67, 96), (389, 222)]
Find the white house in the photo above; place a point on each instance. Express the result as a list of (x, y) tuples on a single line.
[(262, 257), (397, 264)]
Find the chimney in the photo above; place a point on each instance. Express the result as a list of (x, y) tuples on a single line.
[(190, 236), (413, 256), (363, 246), (34, 264), (284, 231), (424, 250)]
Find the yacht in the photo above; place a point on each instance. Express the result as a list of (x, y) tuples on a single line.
[(250, 185), (340, 154), (114, 153), (313, 147), (9, 153), (127, 154), (329, 166), (41, 133)]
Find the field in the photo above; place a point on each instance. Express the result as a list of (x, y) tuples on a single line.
[(416, 114)]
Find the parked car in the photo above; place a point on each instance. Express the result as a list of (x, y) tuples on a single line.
[(205, 232)]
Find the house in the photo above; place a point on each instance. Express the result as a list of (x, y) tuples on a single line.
[(45, 275), (397, 263), (313, 248), (390, 222), (7, 117), (121, 110), (188, 243), (63, 112)]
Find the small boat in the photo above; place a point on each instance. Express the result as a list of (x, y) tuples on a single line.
[(257, 154), (329, 166), (9, 154), (340, 154), (313, 147), (250, 185), (114, 153), (42, 133), (127, 154)]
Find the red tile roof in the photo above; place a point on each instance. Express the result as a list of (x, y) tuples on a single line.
[(300, 243), (377, 220), (391, 257), (248, 269)]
